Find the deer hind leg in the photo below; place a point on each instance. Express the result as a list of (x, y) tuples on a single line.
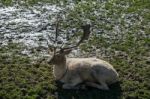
[(100, 79)]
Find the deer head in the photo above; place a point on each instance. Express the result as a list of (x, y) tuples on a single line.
[(59, 53)]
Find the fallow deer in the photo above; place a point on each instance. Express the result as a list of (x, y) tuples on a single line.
[(73, 71)]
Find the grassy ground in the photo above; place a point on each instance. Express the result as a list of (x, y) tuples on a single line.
[(128, 51)]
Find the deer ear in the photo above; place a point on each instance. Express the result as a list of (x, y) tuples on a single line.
[(51, 49), (66, 51)]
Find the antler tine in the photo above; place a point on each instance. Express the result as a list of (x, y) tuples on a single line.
[(54, 46), (86, 33), (50, 38), (85, 36), (50, 47), (57, 28)]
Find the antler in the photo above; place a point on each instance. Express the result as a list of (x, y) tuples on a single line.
[(54, 46), (85, 36)]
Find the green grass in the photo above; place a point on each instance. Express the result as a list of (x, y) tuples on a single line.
[(22, 80), (130, 56)]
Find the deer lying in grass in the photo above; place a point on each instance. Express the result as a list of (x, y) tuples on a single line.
[(73, 71)]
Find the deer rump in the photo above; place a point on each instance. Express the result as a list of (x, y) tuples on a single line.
[(89, 71)]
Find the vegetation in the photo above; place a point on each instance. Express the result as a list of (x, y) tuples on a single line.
[(120, 35)]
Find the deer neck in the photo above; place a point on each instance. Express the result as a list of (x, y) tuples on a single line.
[(60, 69)]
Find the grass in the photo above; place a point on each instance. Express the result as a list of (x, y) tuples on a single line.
[(22, 80), (127, 51)]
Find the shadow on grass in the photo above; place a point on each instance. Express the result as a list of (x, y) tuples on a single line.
[(115, 92)]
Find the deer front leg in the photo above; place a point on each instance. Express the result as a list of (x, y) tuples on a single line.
[(72, 84), (102, 86), (69, 86)]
